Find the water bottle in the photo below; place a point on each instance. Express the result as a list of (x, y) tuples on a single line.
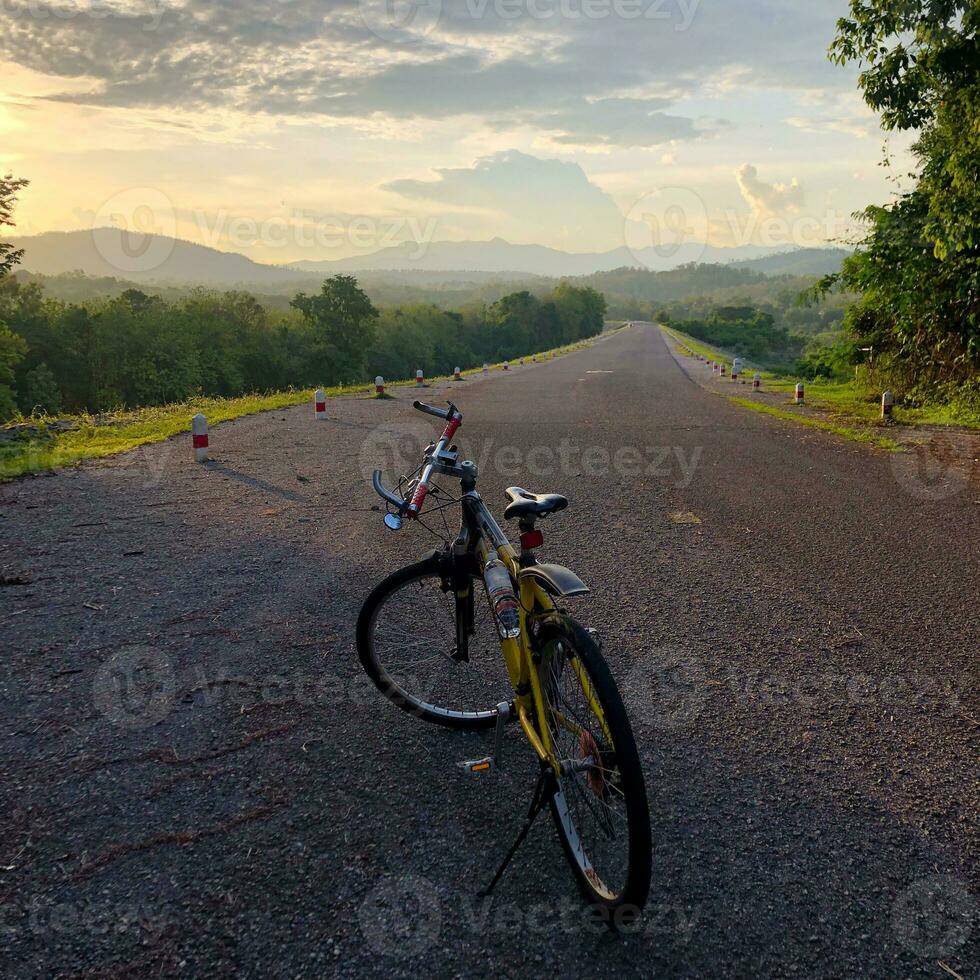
[(502, 599)]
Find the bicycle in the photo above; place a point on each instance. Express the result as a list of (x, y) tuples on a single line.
[(418, 640)]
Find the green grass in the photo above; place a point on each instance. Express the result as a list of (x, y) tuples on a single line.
[(845, 432), (120, 432), (849, 400)]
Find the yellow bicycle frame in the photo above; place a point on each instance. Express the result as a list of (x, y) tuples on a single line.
[(530, 705)]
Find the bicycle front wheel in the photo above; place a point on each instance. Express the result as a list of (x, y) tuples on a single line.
[(600, 805), (406, 640)]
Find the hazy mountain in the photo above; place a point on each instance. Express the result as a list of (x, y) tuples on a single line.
[(153, 259), (801, 262), (143, 259), (501, 257)]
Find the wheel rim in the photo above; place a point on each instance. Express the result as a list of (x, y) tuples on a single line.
[(413, 642), (589, 801)]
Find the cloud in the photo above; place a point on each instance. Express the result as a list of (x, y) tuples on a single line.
[(768, 199), (617, 122), (592, 80), (526, 198)]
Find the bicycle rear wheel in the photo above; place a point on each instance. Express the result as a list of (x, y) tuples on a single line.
[(406, 641), (600, 807)]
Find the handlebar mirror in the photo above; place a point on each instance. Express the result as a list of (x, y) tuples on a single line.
[(393, 522)]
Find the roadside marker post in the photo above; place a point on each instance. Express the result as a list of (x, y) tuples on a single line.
[(319, 404), (486, 369), (506, 366), (887, 404), (457, 375), (757, 382), (199, 438), (419, 378), (724, 370), (736, 368), (379, 385), (798, 397)]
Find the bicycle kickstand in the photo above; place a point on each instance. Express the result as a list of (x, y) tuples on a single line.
[(544, 790)]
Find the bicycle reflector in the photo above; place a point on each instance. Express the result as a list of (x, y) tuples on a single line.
[(531, 540)]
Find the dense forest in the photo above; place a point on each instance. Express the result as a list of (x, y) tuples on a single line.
[(137, 349)]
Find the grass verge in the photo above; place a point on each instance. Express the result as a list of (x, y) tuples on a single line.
[(846, 432), (850, 400), (49, 447)]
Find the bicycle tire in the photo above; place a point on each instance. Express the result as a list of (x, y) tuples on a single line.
[(620, 908), (426, 571)]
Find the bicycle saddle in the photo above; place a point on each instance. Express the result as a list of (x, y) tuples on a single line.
[(523, 502)]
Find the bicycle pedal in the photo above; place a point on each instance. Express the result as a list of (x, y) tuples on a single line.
[(478, 767)]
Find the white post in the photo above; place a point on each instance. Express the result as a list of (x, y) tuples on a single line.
[(486, 369), (319, 405), (199, 438), (379, 385), (798, 398), (887, 404), (724, 370), (419, 378), (457, 374)]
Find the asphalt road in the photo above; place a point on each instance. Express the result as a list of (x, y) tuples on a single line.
[(197, 781)]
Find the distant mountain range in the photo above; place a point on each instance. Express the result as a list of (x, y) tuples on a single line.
[(152, 259), (143, 258)]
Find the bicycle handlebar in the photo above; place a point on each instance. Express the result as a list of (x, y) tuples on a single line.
[(411, 507), (439, 413)]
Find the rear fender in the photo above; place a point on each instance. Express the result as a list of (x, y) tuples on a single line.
[(556, 580)]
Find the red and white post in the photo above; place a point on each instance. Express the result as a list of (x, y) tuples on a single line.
[(457, 375), (799, 396), (724, 370), (379, 385), (199, 438), (887, 404), (757, 382), (419, 378), (319, 405), (506, 366)]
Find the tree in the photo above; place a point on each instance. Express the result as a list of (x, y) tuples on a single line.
[(343, 319), (9, 187), (918, 270), (12, 351)]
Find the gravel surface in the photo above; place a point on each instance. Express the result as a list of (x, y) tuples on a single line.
[(198, 781)]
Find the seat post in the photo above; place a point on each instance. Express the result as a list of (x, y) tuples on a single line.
[(524, 525)]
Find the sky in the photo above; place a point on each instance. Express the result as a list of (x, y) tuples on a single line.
[(316, 129)]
